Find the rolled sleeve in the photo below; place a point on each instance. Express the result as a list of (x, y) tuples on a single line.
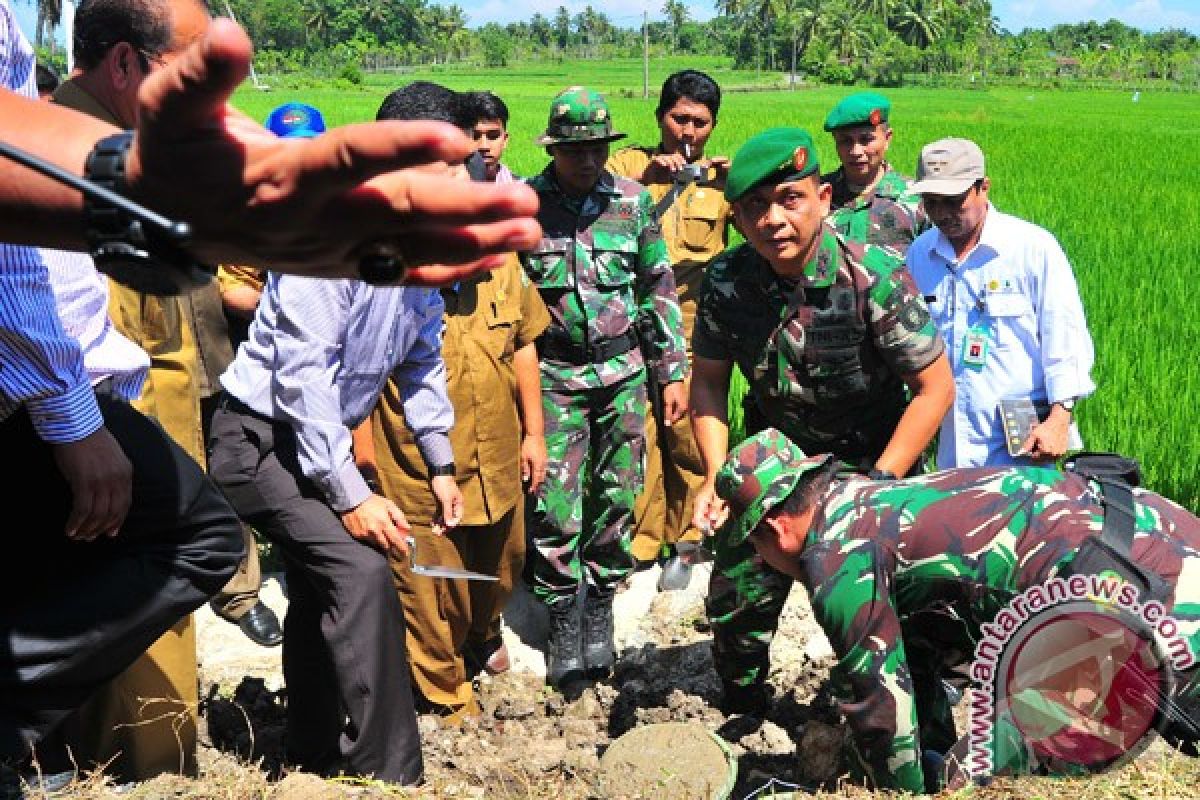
[(905, 334)]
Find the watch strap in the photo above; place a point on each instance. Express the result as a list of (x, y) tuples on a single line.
[(122, 246)]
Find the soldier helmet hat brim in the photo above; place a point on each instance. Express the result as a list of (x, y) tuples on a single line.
[(759, 474), (578, 115)]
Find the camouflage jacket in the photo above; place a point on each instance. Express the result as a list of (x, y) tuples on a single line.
[(601, 265), (887, 215), (824, 355), (903, 574)]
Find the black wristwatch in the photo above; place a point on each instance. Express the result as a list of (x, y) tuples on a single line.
[(132, 252), (445, 469), (881, 474)]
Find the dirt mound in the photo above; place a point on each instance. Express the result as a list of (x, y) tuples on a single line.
[(534, 742)]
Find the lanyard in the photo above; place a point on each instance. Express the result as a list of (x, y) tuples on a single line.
[(980, 299)]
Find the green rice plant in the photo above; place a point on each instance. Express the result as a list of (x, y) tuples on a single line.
[(1113, 180)]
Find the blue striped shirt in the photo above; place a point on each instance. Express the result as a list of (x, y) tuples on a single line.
[(41, 367), (318, 356), (81, 295)]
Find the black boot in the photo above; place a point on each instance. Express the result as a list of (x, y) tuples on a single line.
[(598, 652), (564, 659)]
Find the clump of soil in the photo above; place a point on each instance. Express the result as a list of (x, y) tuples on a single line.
[(666, 760)]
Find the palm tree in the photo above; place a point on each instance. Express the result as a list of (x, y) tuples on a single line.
[(845, 32), (880, 9), (318, 20), (919, 22), (49, 15), (677, 14)]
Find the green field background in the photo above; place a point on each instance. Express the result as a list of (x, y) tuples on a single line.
[(1117, 182)]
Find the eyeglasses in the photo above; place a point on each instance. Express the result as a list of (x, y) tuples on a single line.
[(146, 58)]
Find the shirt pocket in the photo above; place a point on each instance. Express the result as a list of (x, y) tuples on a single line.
[(616, 262), (1007, 306), (502, 322), (548, 266), (699, 220)]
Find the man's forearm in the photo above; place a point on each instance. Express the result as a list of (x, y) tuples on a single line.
[(35, 209), (529, 390), (933, 394), (709, 409)]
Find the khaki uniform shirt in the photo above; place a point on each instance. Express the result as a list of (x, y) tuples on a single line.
[(487, 320), (694, 227), (160, 326)]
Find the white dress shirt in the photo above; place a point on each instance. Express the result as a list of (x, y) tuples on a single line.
[(318, 355), (1016, 290)]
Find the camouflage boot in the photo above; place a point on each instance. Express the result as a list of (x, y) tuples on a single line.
[(564, 658), (598, 652)]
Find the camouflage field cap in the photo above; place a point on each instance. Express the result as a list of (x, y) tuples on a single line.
[(860, 108), (758, 475), (578, 114), (773, 156)]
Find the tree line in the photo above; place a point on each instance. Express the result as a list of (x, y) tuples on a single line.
[(883, 42)]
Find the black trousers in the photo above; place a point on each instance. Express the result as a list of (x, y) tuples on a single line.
[(73, 615), (350, 705)]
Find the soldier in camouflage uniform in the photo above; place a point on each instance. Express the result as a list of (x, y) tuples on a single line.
[(832, 337), (601, 268), (903, 577), (871, 201)]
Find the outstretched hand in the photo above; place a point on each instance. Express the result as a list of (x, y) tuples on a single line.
[(309, 206)]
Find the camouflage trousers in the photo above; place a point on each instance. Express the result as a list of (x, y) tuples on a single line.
[(579, 530), (745, 598)]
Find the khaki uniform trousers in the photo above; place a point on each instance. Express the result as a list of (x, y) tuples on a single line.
[(443, 615), (674, 473), (144, 720)]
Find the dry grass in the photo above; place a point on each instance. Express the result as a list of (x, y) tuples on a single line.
[(1158, 775)]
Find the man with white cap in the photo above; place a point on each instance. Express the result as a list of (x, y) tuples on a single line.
[(1005, 299)]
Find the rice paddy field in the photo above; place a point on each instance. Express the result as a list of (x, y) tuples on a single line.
[(1117, 182)]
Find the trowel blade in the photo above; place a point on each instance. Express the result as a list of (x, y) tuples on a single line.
[(431, 571)]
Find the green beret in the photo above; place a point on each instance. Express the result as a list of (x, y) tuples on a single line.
[(758, 475), (773, 156), (861, 108)]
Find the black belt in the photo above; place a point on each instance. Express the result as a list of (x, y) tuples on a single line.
[(560, 348), (230, 403)]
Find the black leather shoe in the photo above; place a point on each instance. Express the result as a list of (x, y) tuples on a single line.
[(261, 626), (598, 653)]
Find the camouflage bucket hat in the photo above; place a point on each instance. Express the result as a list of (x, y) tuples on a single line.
[(758, 475), (578, 114)]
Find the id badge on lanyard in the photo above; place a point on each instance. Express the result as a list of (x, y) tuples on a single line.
[(975, 347)]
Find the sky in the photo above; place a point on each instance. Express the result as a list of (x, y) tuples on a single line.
[(1149, 15)]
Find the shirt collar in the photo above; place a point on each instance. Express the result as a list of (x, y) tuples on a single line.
[(989, 238)]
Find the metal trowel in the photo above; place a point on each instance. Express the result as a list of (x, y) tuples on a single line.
[(435, 571)]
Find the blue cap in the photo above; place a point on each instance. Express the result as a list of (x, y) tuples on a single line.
[(296, 121)]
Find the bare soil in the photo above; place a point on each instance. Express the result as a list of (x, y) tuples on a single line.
[(534, 742)]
